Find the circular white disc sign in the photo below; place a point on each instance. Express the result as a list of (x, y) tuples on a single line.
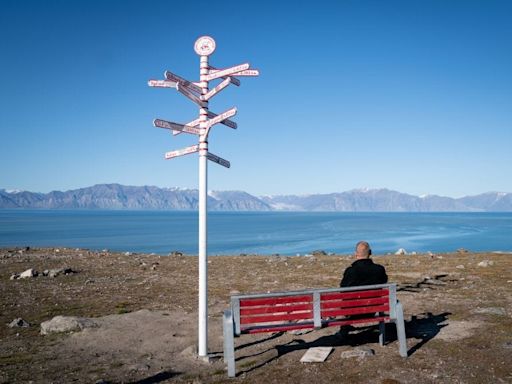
[(204, 46)]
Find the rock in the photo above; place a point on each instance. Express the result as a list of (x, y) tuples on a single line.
[(485, 263), (66, 324), (28, 273), (15, 276), (360, 352), (19, 323), (401, 251), (462, 250), (319, 252), (57, 271), (460, 266), (176, 253)]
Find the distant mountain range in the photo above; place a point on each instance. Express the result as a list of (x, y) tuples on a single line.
[(116, 196)]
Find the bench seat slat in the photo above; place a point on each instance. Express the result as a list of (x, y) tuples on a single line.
[(278, 328), (340, 322), (275, 309), (353, 303), (277, 317), (354, 294), (276, 300), (354, 311)]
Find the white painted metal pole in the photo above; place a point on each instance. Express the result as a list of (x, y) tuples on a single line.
[(203, 195)]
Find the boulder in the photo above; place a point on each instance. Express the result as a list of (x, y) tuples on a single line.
[(401, 251), (485, 263), (66, 324), (28, 273)]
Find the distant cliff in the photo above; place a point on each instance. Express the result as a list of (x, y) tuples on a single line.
[(116, 196)]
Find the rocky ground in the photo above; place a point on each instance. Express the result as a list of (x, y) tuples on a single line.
[(136, 319)]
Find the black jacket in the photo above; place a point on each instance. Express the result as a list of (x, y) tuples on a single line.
[(364, 272)]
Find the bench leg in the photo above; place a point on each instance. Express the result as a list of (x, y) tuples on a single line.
[(382, 333), (229, 342), (400, 329)]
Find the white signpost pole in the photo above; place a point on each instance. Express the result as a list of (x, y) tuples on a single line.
[(199, 94), (204, 47)]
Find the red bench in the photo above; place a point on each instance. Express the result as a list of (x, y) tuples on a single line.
[(312, 309)]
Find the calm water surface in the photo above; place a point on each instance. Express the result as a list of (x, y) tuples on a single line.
[(286, 233)]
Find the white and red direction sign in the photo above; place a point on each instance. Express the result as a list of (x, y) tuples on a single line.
[(248, 72), (183, 82), (218, 160), (227, 122), (182, 152), (216, 90), (223, 116), (192, 123), (227, 71), (162, 83), (159, 123), (234, 80), (192, 96)]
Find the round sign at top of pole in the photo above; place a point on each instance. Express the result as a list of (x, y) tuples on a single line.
[(204, 46)]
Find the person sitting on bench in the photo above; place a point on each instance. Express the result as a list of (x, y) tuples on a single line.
[(363, 271)]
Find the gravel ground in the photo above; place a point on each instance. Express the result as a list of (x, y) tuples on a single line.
[(458, 319)]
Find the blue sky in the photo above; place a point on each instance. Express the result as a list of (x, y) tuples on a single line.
[(414, 96)]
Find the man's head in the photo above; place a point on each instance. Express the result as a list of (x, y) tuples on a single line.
[(363, 250)]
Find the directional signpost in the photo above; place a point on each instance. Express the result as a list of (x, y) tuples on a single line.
[(200, 94)]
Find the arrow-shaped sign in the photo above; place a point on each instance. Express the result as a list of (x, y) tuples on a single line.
[(181, 152), (234, 80), (184, 91), (193, 123), (183, 82), (227, 123), (218, 160), (216, 90), (176, 127), (219, 118), (248, 72), (227, 71), (162, 83)]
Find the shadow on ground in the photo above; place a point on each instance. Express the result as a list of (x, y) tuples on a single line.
[(424, 327)]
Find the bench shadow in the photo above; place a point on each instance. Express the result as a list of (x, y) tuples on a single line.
[(158, 378), (424, 326)]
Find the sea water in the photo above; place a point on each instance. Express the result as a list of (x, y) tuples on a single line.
[(234, 233)]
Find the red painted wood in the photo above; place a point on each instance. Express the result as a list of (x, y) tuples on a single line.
[(354, 294), (278, 328), (276, 309), (276, 300), (354, 311), (353, 303), (278, 317), (335, 323)]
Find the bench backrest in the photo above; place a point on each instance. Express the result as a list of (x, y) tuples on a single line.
[(312, 308)]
